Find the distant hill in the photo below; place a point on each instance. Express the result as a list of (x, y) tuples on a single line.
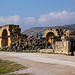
[(70, 27), (40, 30)]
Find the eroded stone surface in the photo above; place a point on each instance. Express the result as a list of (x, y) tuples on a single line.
[(9, 34)]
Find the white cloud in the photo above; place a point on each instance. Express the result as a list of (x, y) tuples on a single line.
[(10, 20), (56, 18), (53, 18), (29, 20), (16, 19), (24, 23)]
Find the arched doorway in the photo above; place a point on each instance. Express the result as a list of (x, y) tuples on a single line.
[(50, 34), (4, 38)]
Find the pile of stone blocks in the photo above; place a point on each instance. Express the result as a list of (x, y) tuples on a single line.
[(32, 43)]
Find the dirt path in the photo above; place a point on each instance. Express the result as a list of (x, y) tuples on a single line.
[(43, 64)]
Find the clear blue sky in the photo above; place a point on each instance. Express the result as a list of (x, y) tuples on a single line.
[(34, 9)]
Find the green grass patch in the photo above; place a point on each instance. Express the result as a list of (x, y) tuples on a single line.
[(21, 74), (28, 51), (7, 50), (8, 66), (24, 51)]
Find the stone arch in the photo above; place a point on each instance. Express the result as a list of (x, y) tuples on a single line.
[(5, 29), (52, 31), (4, 42), (49, 34), (9, 34)]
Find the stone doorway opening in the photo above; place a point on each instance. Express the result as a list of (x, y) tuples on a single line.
[(50, 34), (4, 38), (72, 46)]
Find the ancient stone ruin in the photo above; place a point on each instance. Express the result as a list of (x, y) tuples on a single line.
[(63, 40), (53, 40), (53, 35), (9, 34), (30, 44)]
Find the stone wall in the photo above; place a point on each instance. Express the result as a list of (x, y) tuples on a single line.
[(53, 35), (31, 44), (62, 47), (9, 34)]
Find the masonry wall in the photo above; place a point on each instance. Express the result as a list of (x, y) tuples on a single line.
[(9, 34), (62, 47)]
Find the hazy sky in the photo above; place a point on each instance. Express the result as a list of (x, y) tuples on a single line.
[(34, 13)]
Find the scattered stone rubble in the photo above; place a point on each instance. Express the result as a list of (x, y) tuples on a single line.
[(31, 43)]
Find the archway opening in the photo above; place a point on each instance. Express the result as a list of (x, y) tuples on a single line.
[(4, 38), (49, 35)]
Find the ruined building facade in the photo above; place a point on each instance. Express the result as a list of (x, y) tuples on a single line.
[(10, 34), (63, 40), (53, 35), (53, 40)]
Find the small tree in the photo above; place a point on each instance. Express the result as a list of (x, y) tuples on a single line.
[(40, 35), (37, 35)]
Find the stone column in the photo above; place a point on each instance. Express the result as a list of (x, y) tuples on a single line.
[(9, 41), (0, 41)]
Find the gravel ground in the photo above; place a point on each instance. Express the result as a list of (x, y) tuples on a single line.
[(42, 64)]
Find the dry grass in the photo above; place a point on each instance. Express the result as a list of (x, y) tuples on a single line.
[(8, 66)]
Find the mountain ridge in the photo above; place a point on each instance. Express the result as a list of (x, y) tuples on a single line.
[(40, 30)]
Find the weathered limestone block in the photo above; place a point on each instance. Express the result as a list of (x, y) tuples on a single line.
[(62, 47), (46, 51)]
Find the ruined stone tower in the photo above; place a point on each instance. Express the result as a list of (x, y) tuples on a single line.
[(9, 34)]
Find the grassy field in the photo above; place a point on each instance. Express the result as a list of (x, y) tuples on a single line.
[(20, 51), (21, 74), (8, 67)]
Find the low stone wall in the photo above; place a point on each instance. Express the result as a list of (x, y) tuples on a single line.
[(46, 51)]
